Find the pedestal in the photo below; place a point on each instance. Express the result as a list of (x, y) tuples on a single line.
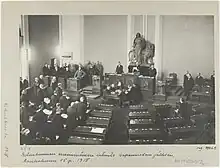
[(96, 84), (73, 84), (146, 83), (160, 88)]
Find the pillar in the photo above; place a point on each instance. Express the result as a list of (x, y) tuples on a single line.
[(158, 46), (71, 32), (25, 49), (130, 36), (145, 27)]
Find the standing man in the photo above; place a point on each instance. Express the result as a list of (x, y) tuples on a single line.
[(199, 80), (213, 87), (119, 68), (188, 85), (80, 74), (153, 74)]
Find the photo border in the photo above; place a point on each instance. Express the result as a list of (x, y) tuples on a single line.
[(11, 150)]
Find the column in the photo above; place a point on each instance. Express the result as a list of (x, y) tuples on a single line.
[(130, 35), (71, 37), (25, 50), (158, 46), (145, 26)]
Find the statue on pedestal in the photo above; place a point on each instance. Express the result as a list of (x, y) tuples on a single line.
[(142, 52)]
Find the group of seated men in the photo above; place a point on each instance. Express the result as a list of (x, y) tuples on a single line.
[(131, 93), (199, 81), (49, 117)]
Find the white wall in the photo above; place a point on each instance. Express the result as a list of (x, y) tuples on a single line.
[(188, 44), (71, 36), (105, 40)]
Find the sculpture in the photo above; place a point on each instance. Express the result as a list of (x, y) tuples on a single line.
[(142, 52)]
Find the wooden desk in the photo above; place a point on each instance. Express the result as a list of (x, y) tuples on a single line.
[(73, 84), (201, 96), (88, 131), (84, 140)]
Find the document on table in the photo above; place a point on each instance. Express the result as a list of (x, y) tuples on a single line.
[(98, 130)]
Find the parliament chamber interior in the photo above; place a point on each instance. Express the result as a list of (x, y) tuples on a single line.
[(110, 80)]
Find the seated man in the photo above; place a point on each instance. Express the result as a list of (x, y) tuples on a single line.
[(24, 96), (24, 114), (199, 80), (41, 80), (59, 90), (54, 98), (72, 120), (119, 68), (134, 94), (81, 108), (53, 83), (64, 101)]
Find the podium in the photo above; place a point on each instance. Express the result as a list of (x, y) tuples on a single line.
[(96, 83), (146, 83), (73, 84), (160, 87)]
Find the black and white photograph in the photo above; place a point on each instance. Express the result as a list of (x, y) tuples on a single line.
[(117, 79)]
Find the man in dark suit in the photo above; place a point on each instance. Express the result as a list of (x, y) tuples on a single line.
[(45, 70), (199, 80), (153, 73), (80, 74), (40, 94), (188, 85), (72, 120), (41, 79), (24, 96), (24, 115), (64, 101), (21, 85), (54, 99), (55, 70), (119, 68), (59, 90), (35, 89), (183, 110), (54, 83), (213, 87), (81, 108)]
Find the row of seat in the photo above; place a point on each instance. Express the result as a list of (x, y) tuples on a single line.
[(94, 130)]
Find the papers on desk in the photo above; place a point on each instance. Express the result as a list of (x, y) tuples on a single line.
[(64, 116), (47, 112), (98, 130)]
